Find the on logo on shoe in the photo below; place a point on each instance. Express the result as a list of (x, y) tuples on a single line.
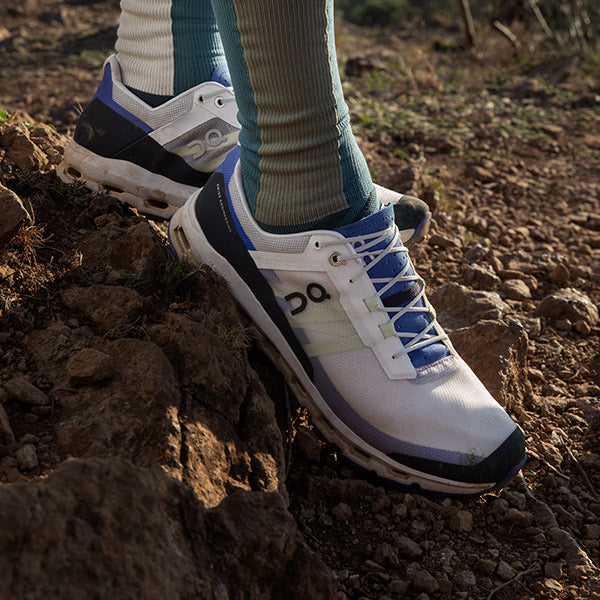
[(314, 291)]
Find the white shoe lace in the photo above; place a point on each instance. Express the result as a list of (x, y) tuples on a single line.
[(430, 334)]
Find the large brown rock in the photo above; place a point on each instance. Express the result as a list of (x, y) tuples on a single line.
[(569, 303), (103, 528), (20, 149), (14, 215), (497, 353), (458, 306), (110, 307)]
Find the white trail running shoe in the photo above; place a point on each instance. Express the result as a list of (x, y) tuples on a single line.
[(346, 320), (151, 158)]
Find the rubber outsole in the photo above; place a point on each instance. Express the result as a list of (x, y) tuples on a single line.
[(153, 195), (188, 241)]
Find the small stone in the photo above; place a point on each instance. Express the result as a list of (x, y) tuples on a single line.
[(408, 547), (424, 581), (532, 325), (397, 586), (485, 566), (436, 239), (14, 215), (515, 499), (7, 435), (515, 289), (308, 444), (21, 150), (372, 566), (560, 274), (465, 578), (482, 277), (400, 510), (582, 327), (27, 457), (90, 366), (505, 571), (552, 584), (385, 554), (479, 173), (569, 303), (553, 570), (461, 521), (445, 586), (342, 511), (591, 532), (517, 517), (20, 389)]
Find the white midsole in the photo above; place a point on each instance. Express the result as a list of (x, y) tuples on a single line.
[(148, 192), (194, 245)]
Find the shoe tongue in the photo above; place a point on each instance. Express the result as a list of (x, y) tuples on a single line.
[(389, 267), (221, 75)]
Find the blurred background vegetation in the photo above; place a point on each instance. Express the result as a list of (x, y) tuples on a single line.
[(562, 23)]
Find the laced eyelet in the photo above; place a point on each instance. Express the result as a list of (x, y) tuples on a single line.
[(335, 261), (219, 102)]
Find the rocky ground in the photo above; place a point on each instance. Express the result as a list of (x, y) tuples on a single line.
[(148, 449)]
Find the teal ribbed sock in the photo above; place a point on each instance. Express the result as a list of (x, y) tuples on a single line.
[(300, 163), (165, 47)]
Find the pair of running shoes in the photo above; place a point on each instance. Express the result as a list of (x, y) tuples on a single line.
[(342, 312)]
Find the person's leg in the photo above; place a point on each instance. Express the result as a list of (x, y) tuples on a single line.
[(166, 47), (302, 168), (337, 299)]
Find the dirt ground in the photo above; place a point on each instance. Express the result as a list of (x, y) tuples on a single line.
[(504, 147)]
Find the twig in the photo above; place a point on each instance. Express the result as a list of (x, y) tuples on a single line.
[(517, 576), (467, 19), (508, 34), (579, 466)]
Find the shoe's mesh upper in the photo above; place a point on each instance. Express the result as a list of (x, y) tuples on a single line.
[(155, 117)]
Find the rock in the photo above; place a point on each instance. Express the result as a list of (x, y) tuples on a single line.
[(397, 586), (342, 511), (515, 289), (20, 150), (27, 457), (477, 224), (462, 520), (424, 581), (110, 307), (497, 353), (7, 435), (519, 518), (465, 578), (516, 499), (458, 306), (437, 239), (385, 554), (505, 571), (90, 366), (482, 277), (138, 251), (20, 389), (532, 325), (308, 444), (571, 304), (14, 216), (582, 327), (479, 173), (560, 274), (104, 528), (553, 570), (408, 547), (486, 566)]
